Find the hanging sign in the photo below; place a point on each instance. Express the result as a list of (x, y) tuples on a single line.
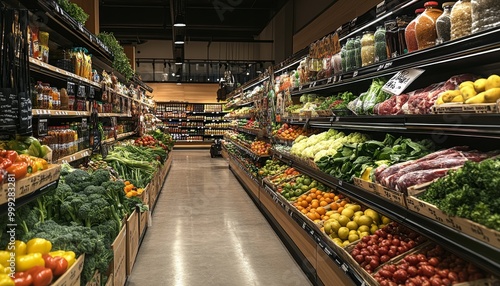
[(400, 81)]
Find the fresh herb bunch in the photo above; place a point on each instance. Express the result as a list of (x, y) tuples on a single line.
[(120, 62), (75, 11)]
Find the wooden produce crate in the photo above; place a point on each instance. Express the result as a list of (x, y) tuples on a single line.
[(452, 107), (72, 276), (462, 225), (381, 191), (132, 240), (143, 223), (119, 246), (30, 183), (95, 281)]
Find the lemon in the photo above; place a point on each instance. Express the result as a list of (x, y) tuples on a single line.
[(334, 235), (353, 232), (352, 225), (335, 216), (373, 214), (343, 232), (348, 212), (385, 220), (343, 220), (358, 213), (373, 228), (335, 226), (329, 213), (363, 228), (363, 234), (365, 220), (346, 243), (353, 237), (354, 207), (338, 241)]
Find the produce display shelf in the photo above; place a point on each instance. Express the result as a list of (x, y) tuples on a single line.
[(28, 188), (457, 55), (249, 152), (50, 70), (114, 115), (69, 32), (59, 113), (213, 135), (243, 116), (119, 137), (206, 112), (477, 125), (253, 131), (325, 244), (248, 85), (469, 248), (74, 157)]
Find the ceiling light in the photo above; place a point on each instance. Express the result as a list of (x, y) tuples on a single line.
[(248, 73), (173, 74), (178, 61), (179, 40), (180, 21)]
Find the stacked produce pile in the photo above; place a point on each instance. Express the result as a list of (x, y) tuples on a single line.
[(426, 169), (289, 132), (429, 266), (351, 160), (260, 148), (336, 102), (272, 168), (366, 101), (383, 245), (84, 215), (481, 90), (22, 157), (298, 185), (471, 192)]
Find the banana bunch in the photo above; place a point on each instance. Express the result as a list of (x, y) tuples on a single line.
[(470, 92)]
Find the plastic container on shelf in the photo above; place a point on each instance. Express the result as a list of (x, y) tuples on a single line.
[(367, 48), (425, 28), (443, 24), (337, 63), (343, 57), (461, 19), (410, 32), (380, 45), (350, 55), (485, 15), (357, 51), (391, 38)]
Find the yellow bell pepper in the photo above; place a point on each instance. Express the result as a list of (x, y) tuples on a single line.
[(6, 280), (4, 270), (4, 258), (19, 248), (70, 256), (28, 261), (38, 245)]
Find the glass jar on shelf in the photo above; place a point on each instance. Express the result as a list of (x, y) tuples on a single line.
[(461, 19), (443, 24), (380, 44), (350, 55), (391, 38), (485, 15), (410, 32), (425, 28), (357, 51), (367, 48)]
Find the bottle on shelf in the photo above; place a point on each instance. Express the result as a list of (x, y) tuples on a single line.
[(410, 32), (367, 48), (461, 19), (443, 24), (425, 28), (380, 44)]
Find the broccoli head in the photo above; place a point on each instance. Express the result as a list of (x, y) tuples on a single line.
[(100, 176), (78, 180)]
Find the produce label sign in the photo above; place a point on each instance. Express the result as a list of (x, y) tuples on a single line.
[(400, 81)]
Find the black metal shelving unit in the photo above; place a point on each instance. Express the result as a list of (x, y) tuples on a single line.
[(471, 249)]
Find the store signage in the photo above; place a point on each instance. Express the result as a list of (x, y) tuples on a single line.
[(401, 80)]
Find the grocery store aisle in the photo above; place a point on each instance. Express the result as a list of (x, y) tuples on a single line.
[(207, 231)]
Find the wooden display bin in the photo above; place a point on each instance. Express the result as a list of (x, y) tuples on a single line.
[(72, 276), (119, 246), (95, 281), (132, 240), (143, 223)]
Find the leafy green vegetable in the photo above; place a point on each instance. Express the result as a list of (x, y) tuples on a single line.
[(75, 11), (121, 62), (471, 192)]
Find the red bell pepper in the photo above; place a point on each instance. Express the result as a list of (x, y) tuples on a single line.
[(11, 155), (18, 169), (5, 163), (41, 276), (57, 264), (23, 279)]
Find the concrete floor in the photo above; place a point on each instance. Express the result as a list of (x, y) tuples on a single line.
[(207, 231)]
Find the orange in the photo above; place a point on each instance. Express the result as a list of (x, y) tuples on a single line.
[(313, 190), (304, 203), (343, 203), (334, 206), (323, 204), (332, 196), (315, 204), (321, 210), (317, 216), (319, 197), (325, 217), (328, 200), (304, 211), (318, 192), (309, 199), (311, 216), (340, 209), (313, 195), (336, 198)]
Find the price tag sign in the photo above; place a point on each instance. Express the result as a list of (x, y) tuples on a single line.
[(355, 74), (400, 81), (43, 127)]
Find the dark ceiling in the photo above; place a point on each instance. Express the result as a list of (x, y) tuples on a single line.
[(137, 21)]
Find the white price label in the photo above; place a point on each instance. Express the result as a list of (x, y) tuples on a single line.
[(400, 81), (355, 74)]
